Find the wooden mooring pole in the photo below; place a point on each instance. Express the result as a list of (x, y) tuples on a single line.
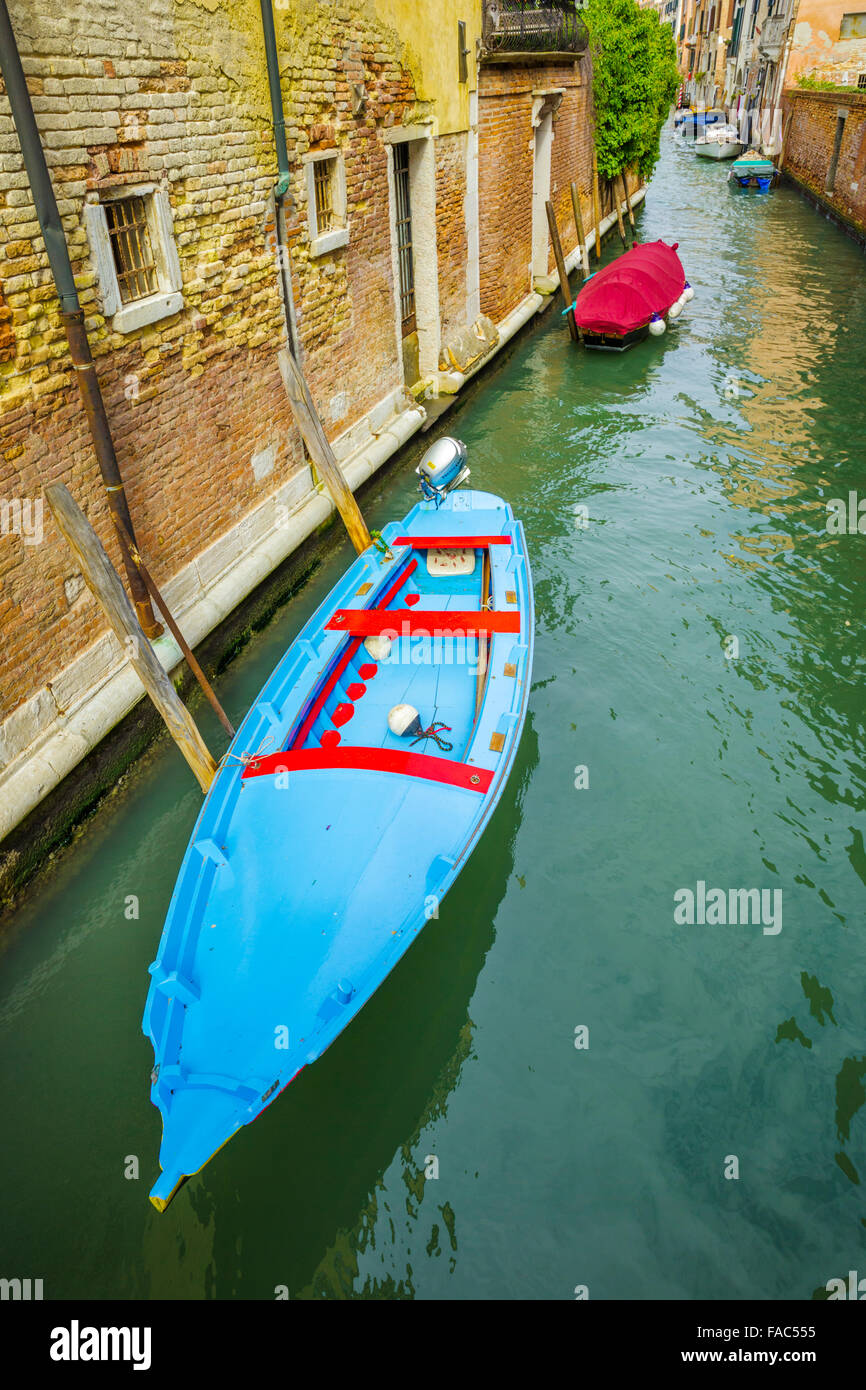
[(561, 270), (614, 188), (104, 584), (313, 433), (578, 222), (207, 688), (629, 209), (596, 206)]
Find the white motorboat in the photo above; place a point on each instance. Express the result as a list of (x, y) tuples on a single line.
[(719, 142)]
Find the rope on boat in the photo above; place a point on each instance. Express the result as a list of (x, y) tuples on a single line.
[(434, 732), (381, 544), (244, 759)]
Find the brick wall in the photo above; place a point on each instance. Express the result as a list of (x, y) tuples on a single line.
[(146, 90), (809, 146), (451, 243), (505, 157)]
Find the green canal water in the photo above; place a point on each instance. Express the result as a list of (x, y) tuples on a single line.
[(705, 462)]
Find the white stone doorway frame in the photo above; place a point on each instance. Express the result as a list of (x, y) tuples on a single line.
[(422, 194)]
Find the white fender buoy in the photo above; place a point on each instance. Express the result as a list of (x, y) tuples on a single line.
[(379, 647), (688, 292), (404, 720), (675, 310), (657, 326)]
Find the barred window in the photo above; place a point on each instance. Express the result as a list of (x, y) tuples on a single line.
[(327, 211), (324, 179), (131, 247)]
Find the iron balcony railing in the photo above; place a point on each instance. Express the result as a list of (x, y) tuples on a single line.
[(773, 35), (526, 26)]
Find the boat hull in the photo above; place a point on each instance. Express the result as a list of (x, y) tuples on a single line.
[(717, 149), (326, 842)]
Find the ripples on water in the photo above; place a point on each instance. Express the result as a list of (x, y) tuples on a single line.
[(706, 461)]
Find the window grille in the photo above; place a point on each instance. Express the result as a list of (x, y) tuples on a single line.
[(324, 184), (130, 244)]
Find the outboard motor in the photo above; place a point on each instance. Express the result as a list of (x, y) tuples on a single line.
[(442, 468)]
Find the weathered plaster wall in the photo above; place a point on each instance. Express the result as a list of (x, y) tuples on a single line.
[(817, 44)]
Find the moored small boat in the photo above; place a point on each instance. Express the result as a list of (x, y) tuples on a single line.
[(350, 799), (719, 142), (690, 125), (635, 296), (753, 170)]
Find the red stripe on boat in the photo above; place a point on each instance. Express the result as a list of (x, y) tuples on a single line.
[(451, 542), (319, 702), (397, 585), (327, 688), (405, 764), (367, 622)]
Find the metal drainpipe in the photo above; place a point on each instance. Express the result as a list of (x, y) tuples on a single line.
[(283, 183), (71, 313)]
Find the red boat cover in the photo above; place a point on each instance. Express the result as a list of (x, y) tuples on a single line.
[(625, 295)]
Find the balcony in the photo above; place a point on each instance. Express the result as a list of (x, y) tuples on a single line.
[(772, 37), (515, 30)]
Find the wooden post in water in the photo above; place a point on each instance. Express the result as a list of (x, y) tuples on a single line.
[(313, 432), (596, 206), (629, 209), (614, 185), (207, 688), (578, 222), (104, 584), (561, 270)]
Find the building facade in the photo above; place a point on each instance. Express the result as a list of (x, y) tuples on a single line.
[(408, 242)]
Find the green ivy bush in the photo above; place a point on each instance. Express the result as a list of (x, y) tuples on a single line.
[(634, 82)]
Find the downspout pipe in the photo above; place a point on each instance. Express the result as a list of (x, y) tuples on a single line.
[(281, 188), (71, 313)]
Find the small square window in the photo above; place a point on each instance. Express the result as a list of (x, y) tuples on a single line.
[(861, 79), (326, 202)]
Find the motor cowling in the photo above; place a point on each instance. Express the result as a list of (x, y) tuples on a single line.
[(442, 467)]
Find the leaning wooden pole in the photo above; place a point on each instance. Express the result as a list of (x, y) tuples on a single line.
[(561, 270), (596, 206), (313, 433), (581, 235), (614, 188), (104, 584), (207, 688), (628, 207)]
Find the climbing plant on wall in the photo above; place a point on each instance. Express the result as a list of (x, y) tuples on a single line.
[(634, 81)]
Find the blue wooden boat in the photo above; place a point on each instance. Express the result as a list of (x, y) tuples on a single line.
[(337, 820)]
